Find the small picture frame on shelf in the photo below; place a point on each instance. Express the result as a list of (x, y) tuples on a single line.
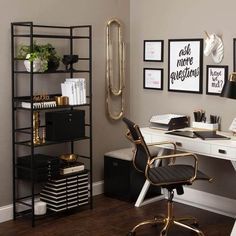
[(153, 78), (153, 50), (215, 79)]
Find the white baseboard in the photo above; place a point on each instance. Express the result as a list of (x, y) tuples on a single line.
[(6, 212), (98, 188), (207, 201), (192, 197)]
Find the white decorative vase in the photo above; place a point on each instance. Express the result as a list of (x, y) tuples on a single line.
[(37, 65)]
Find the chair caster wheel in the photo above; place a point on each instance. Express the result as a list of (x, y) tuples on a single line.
[(195, 224), (131, 233), (163, 233)]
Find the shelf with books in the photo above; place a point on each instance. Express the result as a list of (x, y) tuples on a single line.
[(30, 115)]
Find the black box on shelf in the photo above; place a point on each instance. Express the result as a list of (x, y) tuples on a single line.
[(44, 167), (65, 125)]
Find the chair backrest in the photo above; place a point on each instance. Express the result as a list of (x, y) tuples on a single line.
[(142, 154)]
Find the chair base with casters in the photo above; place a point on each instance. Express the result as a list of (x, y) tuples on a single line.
[(169, 220)]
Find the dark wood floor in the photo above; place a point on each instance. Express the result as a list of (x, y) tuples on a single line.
[(111, 217)]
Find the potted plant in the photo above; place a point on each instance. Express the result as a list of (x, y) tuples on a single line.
[(43, 56)]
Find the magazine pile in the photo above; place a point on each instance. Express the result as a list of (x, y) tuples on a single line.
[(75, 90)]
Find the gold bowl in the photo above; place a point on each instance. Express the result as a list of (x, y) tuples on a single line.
[(69, 158)]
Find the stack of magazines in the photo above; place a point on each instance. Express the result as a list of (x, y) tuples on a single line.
[(75, 90)]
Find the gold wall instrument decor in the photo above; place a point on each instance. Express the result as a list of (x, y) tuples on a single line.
[(114, 64)]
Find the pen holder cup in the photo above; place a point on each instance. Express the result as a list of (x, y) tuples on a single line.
[(205, 126)]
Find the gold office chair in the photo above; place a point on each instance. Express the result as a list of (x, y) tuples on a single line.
[(171, 176)]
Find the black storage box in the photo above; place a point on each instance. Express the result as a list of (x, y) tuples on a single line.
[(121, 179), (44, 167), (65, 125)]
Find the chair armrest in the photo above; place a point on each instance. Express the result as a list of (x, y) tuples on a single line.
[(180, 155), (164, 143)]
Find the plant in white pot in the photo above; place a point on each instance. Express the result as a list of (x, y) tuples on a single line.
[(44, 57)]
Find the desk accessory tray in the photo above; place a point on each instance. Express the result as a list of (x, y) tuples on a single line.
[(205, 126), (169, 122), (209, 135)]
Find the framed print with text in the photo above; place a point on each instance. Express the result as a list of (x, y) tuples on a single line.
[(185, 65), (153, 50), (216, 77), (153, 78)]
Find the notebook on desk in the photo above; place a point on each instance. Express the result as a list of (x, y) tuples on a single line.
[(188, 134), (209, 135)]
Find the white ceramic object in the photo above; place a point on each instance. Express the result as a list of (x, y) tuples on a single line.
[(40, 208), (214, 46), (37, 65)]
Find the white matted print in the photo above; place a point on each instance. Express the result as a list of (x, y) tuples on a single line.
[(216, 77), (153, 50), (153, 78), (185, 65)]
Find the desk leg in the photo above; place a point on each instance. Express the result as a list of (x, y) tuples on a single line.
[(140, 200), (234, 164), (233, 232)]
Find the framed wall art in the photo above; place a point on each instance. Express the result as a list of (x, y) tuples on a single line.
[(153, 50), (216, 77), (153, 78), (234, 54), (185, 65)]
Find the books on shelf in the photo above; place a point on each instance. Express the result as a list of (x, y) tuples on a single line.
[(78, 166), (38, 105), (75, 90)]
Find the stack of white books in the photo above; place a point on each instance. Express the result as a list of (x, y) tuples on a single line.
[(75, 90)]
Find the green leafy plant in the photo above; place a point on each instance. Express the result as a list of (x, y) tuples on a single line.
[(45, 52)]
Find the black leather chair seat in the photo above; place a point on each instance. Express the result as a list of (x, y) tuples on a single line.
[(174, 174)]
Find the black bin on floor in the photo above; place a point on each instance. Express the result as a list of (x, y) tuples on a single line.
[(121, 179)]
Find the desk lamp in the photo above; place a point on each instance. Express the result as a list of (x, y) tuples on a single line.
[(229, 91)]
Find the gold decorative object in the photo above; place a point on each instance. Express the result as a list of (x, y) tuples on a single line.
[(69, 158), (113, 93), (41, 97), (44, 135), (36, 125), (62, 100)]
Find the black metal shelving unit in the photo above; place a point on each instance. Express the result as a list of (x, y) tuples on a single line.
[(31, 32)]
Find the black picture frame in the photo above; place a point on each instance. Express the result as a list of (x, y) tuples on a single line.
[(215, 78), (185, 65), (153, 50), (153, 78), (234, 54)]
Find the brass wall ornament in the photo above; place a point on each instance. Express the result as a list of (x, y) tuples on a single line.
[(114, 93)]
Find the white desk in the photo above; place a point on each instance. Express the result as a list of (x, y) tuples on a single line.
[(223, 149)]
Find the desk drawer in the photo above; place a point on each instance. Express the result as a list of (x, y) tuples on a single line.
[(193, 146), (223, 151), (185, 144)]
